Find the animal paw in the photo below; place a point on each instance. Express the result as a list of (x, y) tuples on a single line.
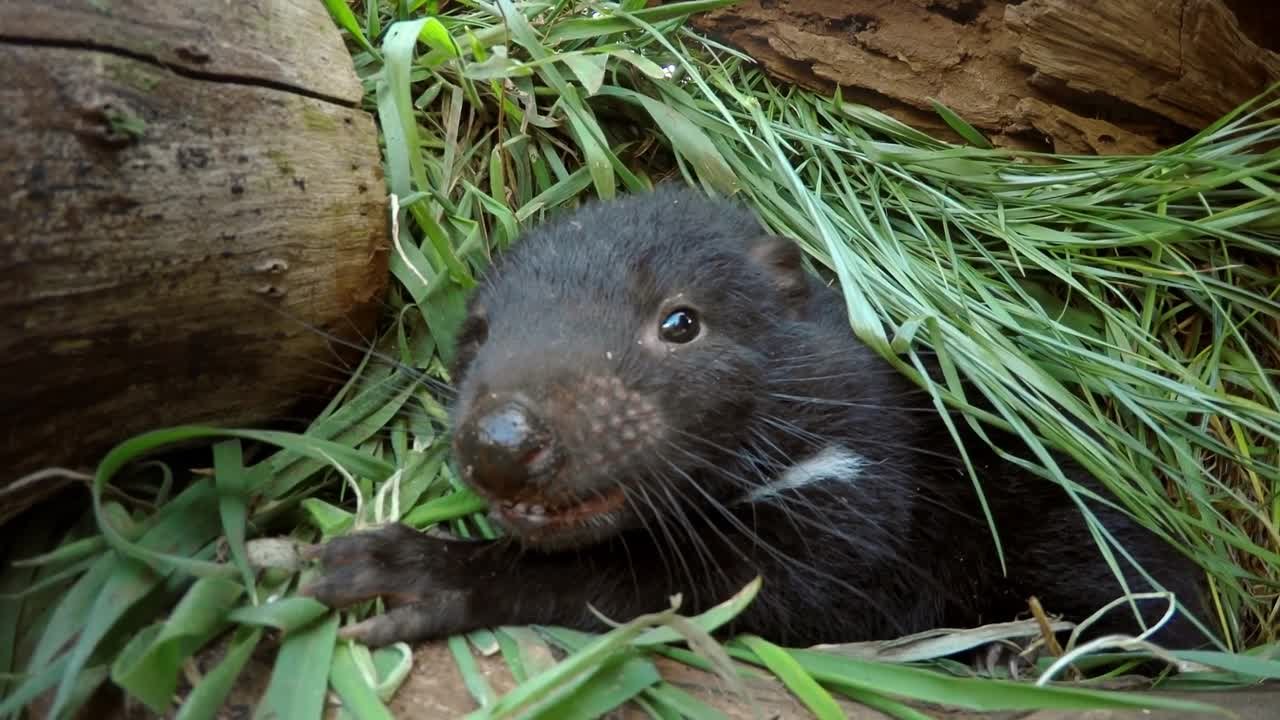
[(1002, 660), (369, 564), (415, 574)]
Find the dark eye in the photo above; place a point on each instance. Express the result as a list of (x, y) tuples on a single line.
[(680, 326)]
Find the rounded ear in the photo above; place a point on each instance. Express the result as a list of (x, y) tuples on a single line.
[(782, 261)]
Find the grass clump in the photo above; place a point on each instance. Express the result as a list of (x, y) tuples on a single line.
[(1133, 296)]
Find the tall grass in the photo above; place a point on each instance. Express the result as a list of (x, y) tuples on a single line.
[(1133, 297), (1125, 310)]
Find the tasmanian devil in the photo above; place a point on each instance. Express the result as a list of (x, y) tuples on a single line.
[(656, 397)]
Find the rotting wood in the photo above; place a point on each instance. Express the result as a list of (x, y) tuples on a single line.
[(1186, 60), (1128, 76), (291, 44), (172, 241)]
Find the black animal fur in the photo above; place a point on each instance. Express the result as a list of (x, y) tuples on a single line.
[(776, 376)]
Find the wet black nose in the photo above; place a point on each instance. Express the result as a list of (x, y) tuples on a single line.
[(504, 449)]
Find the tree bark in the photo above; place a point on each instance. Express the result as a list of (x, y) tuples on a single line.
[(186, 188), (1123, 76)]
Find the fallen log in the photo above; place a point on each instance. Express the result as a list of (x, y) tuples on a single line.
[(1127, 76), (186, 187)]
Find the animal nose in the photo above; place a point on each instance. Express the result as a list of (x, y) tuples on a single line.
[(506, 448)]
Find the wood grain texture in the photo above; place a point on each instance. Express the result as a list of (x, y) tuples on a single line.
[(1186, 60), (290, 43), (1126, 76), (168, 239)]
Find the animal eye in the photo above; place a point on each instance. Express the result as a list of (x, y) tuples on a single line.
[(680, 326)]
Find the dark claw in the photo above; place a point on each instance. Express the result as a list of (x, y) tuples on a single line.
[(997, 658), (346, 586), (407, 623), (394, 562), (384, 562), (425, 580), (309, 553), (385, 544)]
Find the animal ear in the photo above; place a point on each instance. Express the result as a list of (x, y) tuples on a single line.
[(782, 261)]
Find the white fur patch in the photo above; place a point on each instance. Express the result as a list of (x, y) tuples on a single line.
[(832, 464)]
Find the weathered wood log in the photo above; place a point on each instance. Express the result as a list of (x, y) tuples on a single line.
[(1074, 77), (186, 187)]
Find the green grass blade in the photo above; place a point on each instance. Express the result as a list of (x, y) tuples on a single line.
[(687, 139), (709, 620), (358, 697), (182, 527), (799, 682), (617, 682), (206, 698), (474, 680), (588, 28), (1245, 665), (681, 703), (286, 614), (142, 444), (975, 694), (962, 128), (234, 485), (300, 677), (450, 507), (150, 672), (578, 667), (29, 534), (35, 683), (344, 17)]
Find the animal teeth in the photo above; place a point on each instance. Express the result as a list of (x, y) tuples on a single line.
[(521, 508), (538, 510)]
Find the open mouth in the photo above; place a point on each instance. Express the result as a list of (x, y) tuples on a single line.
[(563, 513)]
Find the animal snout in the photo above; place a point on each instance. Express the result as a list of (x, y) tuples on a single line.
[(505, 449)]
